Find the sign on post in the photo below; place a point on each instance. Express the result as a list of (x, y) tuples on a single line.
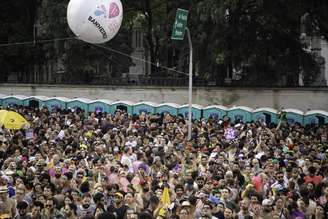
[(180, 24)]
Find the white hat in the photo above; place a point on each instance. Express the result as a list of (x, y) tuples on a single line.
[(267, 202), (237, 125), (185, 204)]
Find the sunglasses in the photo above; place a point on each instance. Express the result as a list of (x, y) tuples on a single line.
[(49, 206)]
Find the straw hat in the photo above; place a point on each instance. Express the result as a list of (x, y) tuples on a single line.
[(186, 205)]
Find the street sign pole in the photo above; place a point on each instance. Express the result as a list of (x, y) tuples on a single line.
[(190, 84), (179, 29)]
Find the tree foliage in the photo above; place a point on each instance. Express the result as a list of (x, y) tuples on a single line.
[(260, 39)]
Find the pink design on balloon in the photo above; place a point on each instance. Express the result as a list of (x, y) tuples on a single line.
[(114, 10)]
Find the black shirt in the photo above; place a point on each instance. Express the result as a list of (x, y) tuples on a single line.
[(119, 212)]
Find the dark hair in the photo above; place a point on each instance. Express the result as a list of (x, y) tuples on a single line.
[(85, 187), (179, 186), (73, 207), (69, 175), (38, 204), (69, 195), (86, 195), (106, 215), (51, 187), (51, 199), (44, 176), (145, 215), (312, 170), (97, 197), (22, 205)]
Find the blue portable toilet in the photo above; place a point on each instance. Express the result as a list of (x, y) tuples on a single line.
[(13, 100), (242, 113), (1, 97), (101, 105), (35, 101), (319, 117), (294, 115), (54, 103), (78, 103), (196, 111), (215, 111), (265, 114), (126, 106), (169, 108), (144, 107)]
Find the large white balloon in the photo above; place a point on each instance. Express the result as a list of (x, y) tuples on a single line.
[(95, 21)]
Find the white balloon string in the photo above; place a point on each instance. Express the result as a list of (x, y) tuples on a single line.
[(35, 42), (139, 59), (95, 45)]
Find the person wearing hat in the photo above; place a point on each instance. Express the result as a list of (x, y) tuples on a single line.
[(118, 207), (185, 210), (7, 205), (22, 207), (267, 209)]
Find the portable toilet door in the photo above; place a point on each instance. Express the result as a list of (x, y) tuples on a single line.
[(318, 117), (79, 103), (294, 116), (196, 111), (144, 107), (265, 114), (101, 105), (169, 108), (126, 106), (35, 101), (13, 100), (240, 113), (56, 103), (1, 97), (215, 111)]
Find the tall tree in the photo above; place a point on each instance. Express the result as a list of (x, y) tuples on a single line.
[(17, 19)]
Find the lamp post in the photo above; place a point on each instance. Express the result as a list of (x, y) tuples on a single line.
[(190, 84)]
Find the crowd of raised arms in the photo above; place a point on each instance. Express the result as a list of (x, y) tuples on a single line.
[(71, 165)]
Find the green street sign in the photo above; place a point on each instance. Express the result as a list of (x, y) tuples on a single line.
[(180, 24)]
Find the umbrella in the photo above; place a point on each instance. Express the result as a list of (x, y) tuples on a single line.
[(12, 120)]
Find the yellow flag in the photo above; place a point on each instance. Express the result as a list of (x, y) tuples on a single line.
[(165, 199)]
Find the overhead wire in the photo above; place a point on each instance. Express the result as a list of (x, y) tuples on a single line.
[(94, 45), (139, 59), (35, 42)]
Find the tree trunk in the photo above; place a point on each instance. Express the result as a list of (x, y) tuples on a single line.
[(149, 16)]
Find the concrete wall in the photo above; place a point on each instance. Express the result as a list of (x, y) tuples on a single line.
[(302, 98)]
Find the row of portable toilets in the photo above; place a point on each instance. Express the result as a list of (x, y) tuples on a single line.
[(241, 113)]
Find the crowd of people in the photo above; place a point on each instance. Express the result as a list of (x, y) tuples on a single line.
[(71, 165)]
